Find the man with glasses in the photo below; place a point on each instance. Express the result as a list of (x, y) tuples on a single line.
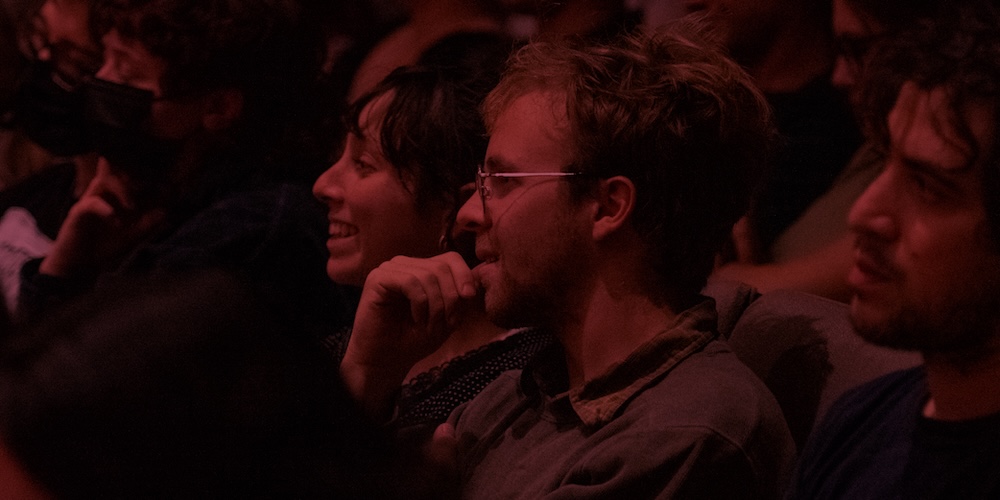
[(612, 177)]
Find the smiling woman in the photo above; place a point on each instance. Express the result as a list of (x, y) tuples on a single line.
[(373, 210), (409, 162)]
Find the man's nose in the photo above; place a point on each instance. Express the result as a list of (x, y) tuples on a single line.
[(873, 214)]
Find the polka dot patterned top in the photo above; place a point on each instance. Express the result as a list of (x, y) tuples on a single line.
[(430, 397)]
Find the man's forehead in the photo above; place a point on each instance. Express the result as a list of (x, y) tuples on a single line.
[(535, 105), (925, 126), (531, 130)]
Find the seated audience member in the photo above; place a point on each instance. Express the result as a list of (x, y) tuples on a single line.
[(44, 135), (926, 276), (194, 115), (612, 176), (788, 49), (186, 388), (415, 141), (814, 253)]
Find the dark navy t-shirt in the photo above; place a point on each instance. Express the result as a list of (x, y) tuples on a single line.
[(875, 443)]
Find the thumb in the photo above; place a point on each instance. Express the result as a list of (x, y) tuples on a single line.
[(437, 475), (442, 451)]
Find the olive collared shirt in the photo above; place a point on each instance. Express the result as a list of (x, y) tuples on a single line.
[(679, 417)]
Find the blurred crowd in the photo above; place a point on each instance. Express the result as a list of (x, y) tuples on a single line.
[(489, 248)]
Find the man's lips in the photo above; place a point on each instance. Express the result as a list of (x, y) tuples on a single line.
[(483, 251), (869, 268), (486, 258), (488, 261)]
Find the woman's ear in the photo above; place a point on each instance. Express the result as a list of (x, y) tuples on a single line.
[(615, 203), (223, 108)]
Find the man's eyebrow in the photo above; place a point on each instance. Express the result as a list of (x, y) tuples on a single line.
[(498, 164)]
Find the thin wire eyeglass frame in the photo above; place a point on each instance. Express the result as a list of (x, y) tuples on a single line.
[(485, 192)]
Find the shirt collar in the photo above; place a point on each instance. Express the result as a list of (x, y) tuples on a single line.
[(600, 399)]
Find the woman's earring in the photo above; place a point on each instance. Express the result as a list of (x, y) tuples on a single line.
[(443, 243)]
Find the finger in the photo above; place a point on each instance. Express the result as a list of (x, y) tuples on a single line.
[(462, 277), (457, 284), (429, 311), (145, 222), (93, 207), (394, 287), (438, 274), (442, 451), (112, 187), (418, 282)]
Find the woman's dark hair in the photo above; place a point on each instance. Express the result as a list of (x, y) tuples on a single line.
[(432, 131)]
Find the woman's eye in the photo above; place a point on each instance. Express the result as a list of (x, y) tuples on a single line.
[(362, 167), (925, 188)]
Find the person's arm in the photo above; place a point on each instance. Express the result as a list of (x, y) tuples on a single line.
[(823, 272), (100, 226), (408, 307), (105, 222)]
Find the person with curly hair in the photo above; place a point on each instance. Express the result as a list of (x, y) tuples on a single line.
[(925, 274)]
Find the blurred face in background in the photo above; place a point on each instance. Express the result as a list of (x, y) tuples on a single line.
[(62, 36), (748, 28), (854, 33), (659, 12)]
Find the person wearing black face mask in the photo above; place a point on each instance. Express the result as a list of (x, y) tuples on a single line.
[(44, 161), (195, 115), (58, 52)]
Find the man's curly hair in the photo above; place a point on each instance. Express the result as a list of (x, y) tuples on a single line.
[(669, 111)]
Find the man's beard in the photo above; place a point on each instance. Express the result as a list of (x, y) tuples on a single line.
[(965, 327), (541, 296), (540, 303)]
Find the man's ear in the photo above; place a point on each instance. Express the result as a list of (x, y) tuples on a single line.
[(615, 203), (223, 108)]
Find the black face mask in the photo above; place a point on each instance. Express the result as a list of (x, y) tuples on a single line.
[(118, 119), (50, 112)]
